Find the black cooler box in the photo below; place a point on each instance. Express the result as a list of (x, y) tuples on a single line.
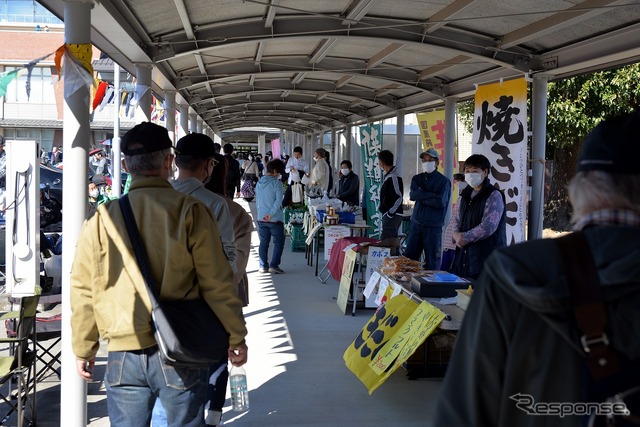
[(438, 285)]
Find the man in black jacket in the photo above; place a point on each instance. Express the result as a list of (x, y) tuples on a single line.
[(349, 184), (232, 181), (391, 193)]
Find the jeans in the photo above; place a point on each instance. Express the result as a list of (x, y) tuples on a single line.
[(390, 226), (135, 379), (427, 239), (215, 397), (265, 231)]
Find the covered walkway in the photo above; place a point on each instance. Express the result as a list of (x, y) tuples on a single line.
[(296, 373)]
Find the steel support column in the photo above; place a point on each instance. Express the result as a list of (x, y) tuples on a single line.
[(75, 141), (539, 123)]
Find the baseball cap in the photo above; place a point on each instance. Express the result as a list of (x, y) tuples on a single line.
[(196, 146), (613, 146), (99, 179), (432, 152), (150, 138)]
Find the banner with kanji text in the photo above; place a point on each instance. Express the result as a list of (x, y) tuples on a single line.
[(500, 134), (432, 130), (371, 145)]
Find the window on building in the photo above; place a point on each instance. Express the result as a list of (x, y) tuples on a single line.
[(25, 11), (42, 89), (43, 136)]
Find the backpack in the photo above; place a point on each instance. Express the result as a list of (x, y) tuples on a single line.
[(612, 381)]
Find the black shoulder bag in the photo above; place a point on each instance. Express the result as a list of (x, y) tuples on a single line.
[(610, 378), (187, 331)]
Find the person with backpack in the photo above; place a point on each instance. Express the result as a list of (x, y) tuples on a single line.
[(551, 331)]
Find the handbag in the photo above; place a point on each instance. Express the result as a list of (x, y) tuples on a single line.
[(305, 180), (188, 332), (247, 189), (297, 193)]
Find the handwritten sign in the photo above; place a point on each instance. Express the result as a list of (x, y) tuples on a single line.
[(346, 279), (374, 259), (331, 235), (403, 344), (389, 338), (371, 284)]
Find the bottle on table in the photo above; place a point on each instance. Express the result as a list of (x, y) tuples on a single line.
[(239, 390)]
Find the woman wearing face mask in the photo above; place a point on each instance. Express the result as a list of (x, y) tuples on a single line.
[(431, 192), (480, 225), (320, 172), (349, 184)]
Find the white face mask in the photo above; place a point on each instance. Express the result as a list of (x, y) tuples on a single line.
[(474, 179), (94, 193), (345, 172), (315, 159), (428, 167)]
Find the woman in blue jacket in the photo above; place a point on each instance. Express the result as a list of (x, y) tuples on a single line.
[(269, 195)]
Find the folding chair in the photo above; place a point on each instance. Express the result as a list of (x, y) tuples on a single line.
[(19, 366), (48, 329)]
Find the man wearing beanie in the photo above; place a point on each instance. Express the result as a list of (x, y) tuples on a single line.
[(109, 299), (556, 321)]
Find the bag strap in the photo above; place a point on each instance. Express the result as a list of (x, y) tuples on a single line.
[(588, 304), (138, 248)]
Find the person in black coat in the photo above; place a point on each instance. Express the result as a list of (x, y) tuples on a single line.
[(348, 185)]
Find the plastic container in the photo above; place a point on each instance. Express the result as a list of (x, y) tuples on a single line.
[(239, 390), (320, 214), (347, 217)]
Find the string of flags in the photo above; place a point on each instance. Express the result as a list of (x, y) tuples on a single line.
[(73, 63)]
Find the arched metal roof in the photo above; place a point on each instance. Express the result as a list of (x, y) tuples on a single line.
[(310, 65)]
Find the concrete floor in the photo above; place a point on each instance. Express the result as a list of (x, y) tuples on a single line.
[(296, 374)]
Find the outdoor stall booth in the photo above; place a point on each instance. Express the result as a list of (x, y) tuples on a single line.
[(415, 325)]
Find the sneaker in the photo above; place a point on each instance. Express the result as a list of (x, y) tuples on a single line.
[(264, 270), (276, 270)]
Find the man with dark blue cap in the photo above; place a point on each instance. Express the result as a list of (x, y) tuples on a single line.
[(554, 323)]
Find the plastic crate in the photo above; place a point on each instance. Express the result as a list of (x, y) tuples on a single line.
[(297, 233), (347, 217), (288, 213), (298, 245)]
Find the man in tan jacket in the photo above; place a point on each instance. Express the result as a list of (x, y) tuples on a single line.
[(109, 298)]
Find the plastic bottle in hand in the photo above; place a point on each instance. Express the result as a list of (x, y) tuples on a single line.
[(239, 390)]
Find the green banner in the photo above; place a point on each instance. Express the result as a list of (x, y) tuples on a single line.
[(371, 144)]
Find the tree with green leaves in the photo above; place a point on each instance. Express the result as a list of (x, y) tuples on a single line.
[(574, 107)]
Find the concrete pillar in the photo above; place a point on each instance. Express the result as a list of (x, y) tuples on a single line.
[(75, 142), (262, 145), (399, 141), (193, 121), (170, 114), (115, 141), (199, 124), (143, 92), (539, 123), (183, 130)]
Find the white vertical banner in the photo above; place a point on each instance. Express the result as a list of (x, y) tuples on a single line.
[(500, 134)]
